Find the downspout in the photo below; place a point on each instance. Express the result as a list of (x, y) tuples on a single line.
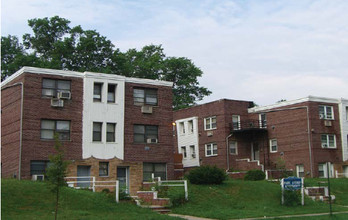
[(227, 153), (308, 130), (20, 126)]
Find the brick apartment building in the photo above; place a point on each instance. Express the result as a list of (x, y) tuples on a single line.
[(306, 134), (110, 126)]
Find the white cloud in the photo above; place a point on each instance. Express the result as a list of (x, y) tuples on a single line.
[(254, 50)]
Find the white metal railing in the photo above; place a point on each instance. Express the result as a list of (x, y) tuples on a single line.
[(94, 183), (340, 175), (172, 183)]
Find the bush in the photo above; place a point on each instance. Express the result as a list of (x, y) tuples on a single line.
[(292, 198), (255, 175), (207, 175)]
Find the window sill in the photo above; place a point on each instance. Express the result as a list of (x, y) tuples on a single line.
[(54, 140), (145, 143), (210, 129), (272, 152), (215, 155), (330, 148)]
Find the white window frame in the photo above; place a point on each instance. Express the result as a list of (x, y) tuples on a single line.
[(183, 151), (209, 121), (190, 126), (235, 147), (324, 114), (182, 128), (211, 146), (327, 141), (238, 121), (300, 169), (324, 166), (193, 151), (271, 145)]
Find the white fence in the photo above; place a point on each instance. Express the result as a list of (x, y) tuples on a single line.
[(92, 184), (341, 175), (173, 183)]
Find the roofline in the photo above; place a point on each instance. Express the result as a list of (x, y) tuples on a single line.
[(297, 101), (207, 103), (67, 73)]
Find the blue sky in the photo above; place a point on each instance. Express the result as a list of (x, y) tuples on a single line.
[(259, 50)]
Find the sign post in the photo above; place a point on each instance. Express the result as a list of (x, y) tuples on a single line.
[(293, 183)]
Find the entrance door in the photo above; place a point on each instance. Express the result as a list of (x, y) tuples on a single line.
[(83, 171), (123, 178), (255, 151)]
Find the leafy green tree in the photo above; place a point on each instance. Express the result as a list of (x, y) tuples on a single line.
[(56, 172), (54, 44)]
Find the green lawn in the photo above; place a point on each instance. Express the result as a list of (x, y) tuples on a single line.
[(241, 199), (33, 200)]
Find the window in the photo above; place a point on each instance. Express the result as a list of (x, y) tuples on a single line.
[(103, 168), (97, 92), (236, 122), (51, 127), (273, 145), (38, 167), (110, 132), (182, 127), (97, 131), (51, 87), (190, 126), (183, 152), (211, 149), (111, 93), (145, 96), (233, 148), (145, 133), (193, 151), (347, 113), (328, 141), (322, 170), (210, 123), (158, 169), (326, 112), (263, 120), (300, 170)]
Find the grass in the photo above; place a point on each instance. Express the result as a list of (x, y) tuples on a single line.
[(246, 199), (33, 200)]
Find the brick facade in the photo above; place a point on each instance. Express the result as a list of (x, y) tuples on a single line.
[(297, 132), (135, 172), (161, 152)]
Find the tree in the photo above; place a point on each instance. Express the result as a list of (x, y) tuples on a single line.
[(56, 172), (54, 44)]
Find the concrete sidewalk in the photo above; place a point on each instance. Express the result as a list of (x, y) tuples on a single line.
[(188, 217)]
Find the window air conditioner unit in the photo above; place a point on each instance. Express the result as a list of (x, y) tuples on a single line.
[(328, 123), (38, 177), (193, 155), (64, 95), (324, 145), (57, 103), (321, 116), (152, 140), (146, 109), (209, 133)]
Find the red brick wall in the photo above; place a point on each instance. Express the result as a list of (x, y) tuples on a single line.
[(223, 110), (37, 108), (162, 116), (10, 127)]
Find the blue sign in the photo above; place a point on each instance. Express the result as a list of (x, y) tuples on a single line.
[(292, 183)]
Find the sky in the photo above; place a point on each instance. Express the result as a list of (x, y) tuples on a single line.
[(254, 50)]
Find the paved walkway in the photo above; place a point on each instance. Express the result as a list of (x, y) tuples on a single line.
[(265, 217)]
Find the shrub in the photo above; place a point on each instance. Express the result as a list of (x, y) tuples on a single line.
[(207, 175), (255, 175), (292, 198)]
